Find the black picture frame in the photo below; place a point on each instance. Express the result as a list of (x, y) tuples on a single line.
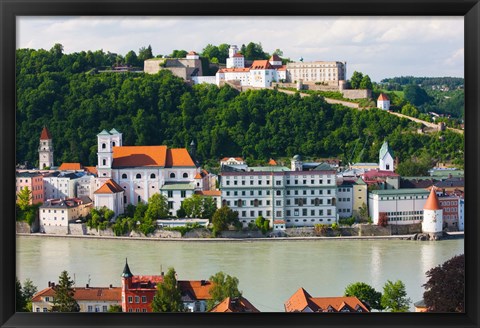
[(470, 9)]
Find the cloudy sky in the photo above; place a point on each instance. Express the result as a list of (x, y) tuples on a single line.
[(380, 47)]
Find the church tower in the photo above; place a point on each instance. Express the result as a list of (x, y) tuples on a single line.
[(296, 163), (106, 141), (126, 283), (432, 216), (45, 150)]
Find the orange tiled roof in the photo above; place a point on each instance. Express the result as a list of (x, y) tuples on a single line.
[(239, 304), (86, 294), (70, 167), (282, 68), (275, 58), (383, 97), (232, 70), (91, 169), (178, 157), (238, 55), (209, 193), (261, 64), (198, 176), (432, 201), (45, 135), (272, 162), (134, 156), (109, 187), (301, 299), (240, 159), (200, 289)]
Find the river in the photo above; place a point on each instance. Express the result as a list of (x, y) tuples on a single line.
[(269, 271)]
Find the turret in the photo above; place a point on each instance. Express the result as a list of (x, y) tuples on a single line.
[(432, 216)]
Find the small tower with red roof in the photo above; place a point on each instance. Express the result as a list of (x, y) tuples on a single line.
[(383, 102), (45, 150), (432, 215)]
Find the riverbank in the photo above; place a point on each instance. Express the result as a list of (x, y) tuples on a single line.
[(455, 235)]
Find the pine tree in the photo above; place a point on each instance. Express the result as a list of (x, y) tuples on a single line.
[(168, 297), (20, 301), (64, 300)]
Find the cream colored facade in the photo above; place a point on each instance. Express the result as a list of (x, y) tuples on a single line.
[(316, 71), (360, 193), (59, 212)]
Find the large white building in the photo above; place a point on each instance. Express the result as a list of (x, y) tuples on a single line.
[(143, 171), (61, 184), (299, 197), (60, 212), (401, 206), (316, 71)]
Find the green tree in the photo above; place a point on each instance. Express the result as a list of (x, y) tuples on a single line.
[(193, 206), (64, 300), (23, 198), (445, 288), (20, 301), (415, 95), (157, 207), (178, 54), (355, 80), (254, 51), (115, 308), (209, 208), (28, 290), (363, 213), (365, 293), (223, 218), (394, 297), (224, 286), (145, 53), (366, 83), (409, 110), (168, 297), (131, 59)]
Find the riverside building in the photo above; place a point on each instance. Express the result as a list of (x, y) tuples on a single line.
[(302, 195)]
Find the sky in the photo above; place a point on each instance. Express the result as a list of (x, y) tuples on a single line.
[(381, 47)]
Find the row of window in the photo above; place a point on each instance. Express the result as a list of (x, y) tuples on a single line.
[(277, 182), (137, 299), (54, 211), (97, 308), (405, 218), (344, 199), (296, 212), (402, 197), (153, 176), (296, 201), (277, 192), (137, 310), (405, 213)]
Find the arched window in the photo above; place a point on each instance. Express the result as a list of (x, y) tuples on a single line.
[(104, 162), (113, 144), (124, 176), (172, 175), (138, 176), (152, 176), (139, 199), (104, 145), (185, 175)]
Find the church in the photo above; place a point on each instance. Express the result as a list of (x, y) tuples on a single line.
[(132, 174)]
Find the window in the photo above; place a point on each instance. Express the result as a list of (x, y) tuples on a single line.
[(183, 193), (144, 299), (124, 176), (170, 205), (170, 193), (137, 299), (90, 308), (104, 162), (130, 310), (152, 176), (172, 175), (185, 175), (278, 203), (138, 176), (304, 212), (45, 310), (137, 310), (139, 199), (104, 146), (279, 192), (228, 193), (243, 182), (144, 310), (278, 183), (279, 214)]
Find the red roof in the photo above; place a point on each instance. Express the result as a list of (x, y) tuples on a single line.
[(70, 167), (200, 289), (212, 193), (237, 304), (91, 169), (178, 157), (275, 58), (383, 97), (282, 68), (240, 159), (109, 187), (432, 201), (86, 294), (379, 174), (238, 55), (234, 70), (261, 64), (272, 162), (136, 156), (301, 299), (45, 135)]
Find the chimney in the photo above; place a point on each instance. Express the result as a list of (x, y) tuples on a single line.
[(203, 282), (86, 286)]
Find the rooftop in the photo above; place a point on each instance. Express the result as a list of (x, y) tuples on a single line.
[(407, 191)]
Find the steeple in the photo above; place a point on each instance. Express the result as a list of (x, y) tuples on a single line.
[(45, 149), (432, 201), (126, 270)]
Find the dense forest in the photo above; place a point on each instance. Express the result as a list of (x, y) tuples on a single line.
[(61, 91)]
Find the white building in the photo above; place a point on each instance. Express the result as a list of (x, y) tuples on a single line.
[(143, 171), (60, 212), (386, 162), (433, 215), (461, 214), (193, 55), (402, 206), (235, 59), (383, 102), (316, 71), (345, 199), (86, 186), (61, 184), (301, 198), (111, 196)]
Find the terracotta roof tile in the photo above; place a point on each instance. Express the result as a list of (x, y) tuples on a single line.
[(178, 157), (109, 187), (272, 162), (432, 201), (238, 55), (261, 64), (237, 305), (91, 169), (234, 70), (275, 58), (86, 294), (383, 97), (45, 135), (135, 156), (301, 299), (200, 289), (211, 193), (70, 167)]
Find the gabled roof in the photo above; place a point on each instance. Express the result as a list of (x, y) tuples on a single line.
[(432, 201), (384, 150), (178, 157), (275, 58), (237, 304), (237, 55), (211, 193), (383, 97), (109, 187), (199, 289), (85, 294), (45, 135), (91, 169), (135, 156), (323, 167), (298, 301), (70, 167), (240, 159), (261, 64), (272, 162)]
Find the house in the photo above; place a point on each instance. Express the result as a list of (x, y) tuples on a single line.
[(235, 304), (316, 71), (345, 198), (138, 292), (34, 182), (402, 206), (383, 102), (360, 196), (61, 184), (111, 196), (90, 299), (235, 59), (45, 149), (301, 301), (215, 194), (279, 225), (302, 195), (56, 214), (382, 179), (142, 171)]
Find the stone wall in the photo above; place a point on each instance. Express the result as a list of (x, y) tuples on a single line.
[(22, 227), (241, 234), (198, 233), (77, 229), (56, 230), (374, 230), (406, 229), (159, 233), (94, 232), (357, 94)]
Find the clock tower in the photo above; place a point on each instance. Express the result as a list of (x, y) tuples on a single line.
[(45, 150)]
